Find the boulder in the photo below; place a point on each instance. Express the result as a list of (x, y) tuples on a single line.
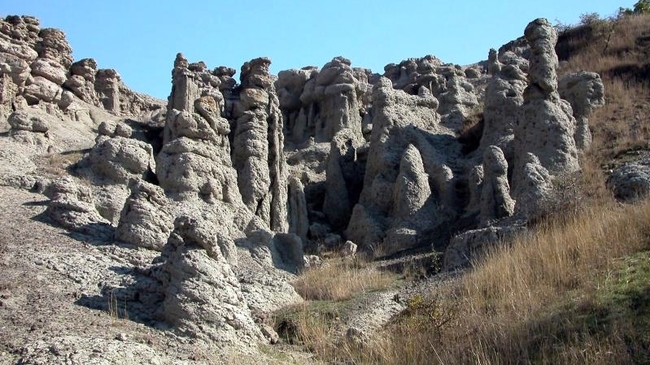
[(71, 205), (146, 220)]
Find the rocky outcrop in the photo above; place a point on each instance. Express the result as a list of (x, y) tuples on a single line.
[(71, 206), (545, 126), (496, 202), (37, 68), (297, 209), (120, 159), (630, 182), (468, 247), (448, 83), (145, 220), (585, 92), (504, 96), (411, 189), (195, 157), (344, 179), (203, 297), (321, 103), (258, 146), (401, 120)]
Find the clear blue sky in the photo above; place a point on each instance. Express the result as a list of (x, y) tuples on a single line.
[(140, 38)]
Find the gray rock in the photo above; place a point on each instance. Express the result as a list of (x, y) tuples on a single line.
[(290, 251), (349, 249), (71, 205), (411, 189), (544, 137), (120, 159), (496, 202), (258, 147), (343, 178), (468, 247), (630, 182), (585, 92), (297, 209), (25, 121), (146, 220), (202, 294)]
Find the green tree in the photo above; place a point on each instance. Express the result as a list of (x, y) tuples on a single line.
[(642, 7)]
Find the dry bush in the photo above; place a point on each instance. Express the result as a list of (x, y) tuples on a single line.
[(56, 164), (340, 279)]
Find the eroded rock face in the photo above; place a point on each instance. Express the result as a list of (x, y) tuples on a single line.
[(545, 127), (202, 294), (496, 202), (448, 83), (631, 181), (321, 103), (258, 146), (121, 159), (37, 68), (71, 205), (343, 183), (504, 96), (195, 157), (401, 120), (145, 220), (585, 92)]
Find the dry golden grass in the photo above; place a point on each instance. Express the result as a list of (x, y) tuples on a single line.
[(56, 164), (340, 279), (519, 304)]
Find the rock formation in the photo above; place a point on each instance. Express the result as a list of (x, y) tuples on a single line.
[(585, 92), (36, 66), (503, 100), (71, 205), (202, 294), (329, 100), (145, 220), (400, 120), (545, 126), (258, 153), (496, 202)]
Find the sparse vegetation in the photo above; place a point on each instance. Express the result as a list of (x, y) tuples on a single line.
[(340, 279), (57, 164)]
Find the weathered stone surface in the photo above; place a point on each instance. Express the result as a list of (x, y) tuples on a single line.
[(411, 189), (54, 46), (585, 92), (503, 101), (400, 120), (343, 183), (146, 220), (50, 70), (496, 202), (202, 294), (544, 136), (41, 89), (258, 147), (24, 121), (290, 251), (297, 209), (630, 182), (533, 189), (195, 157), (468, 247), (120, 159), (71, 206)]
